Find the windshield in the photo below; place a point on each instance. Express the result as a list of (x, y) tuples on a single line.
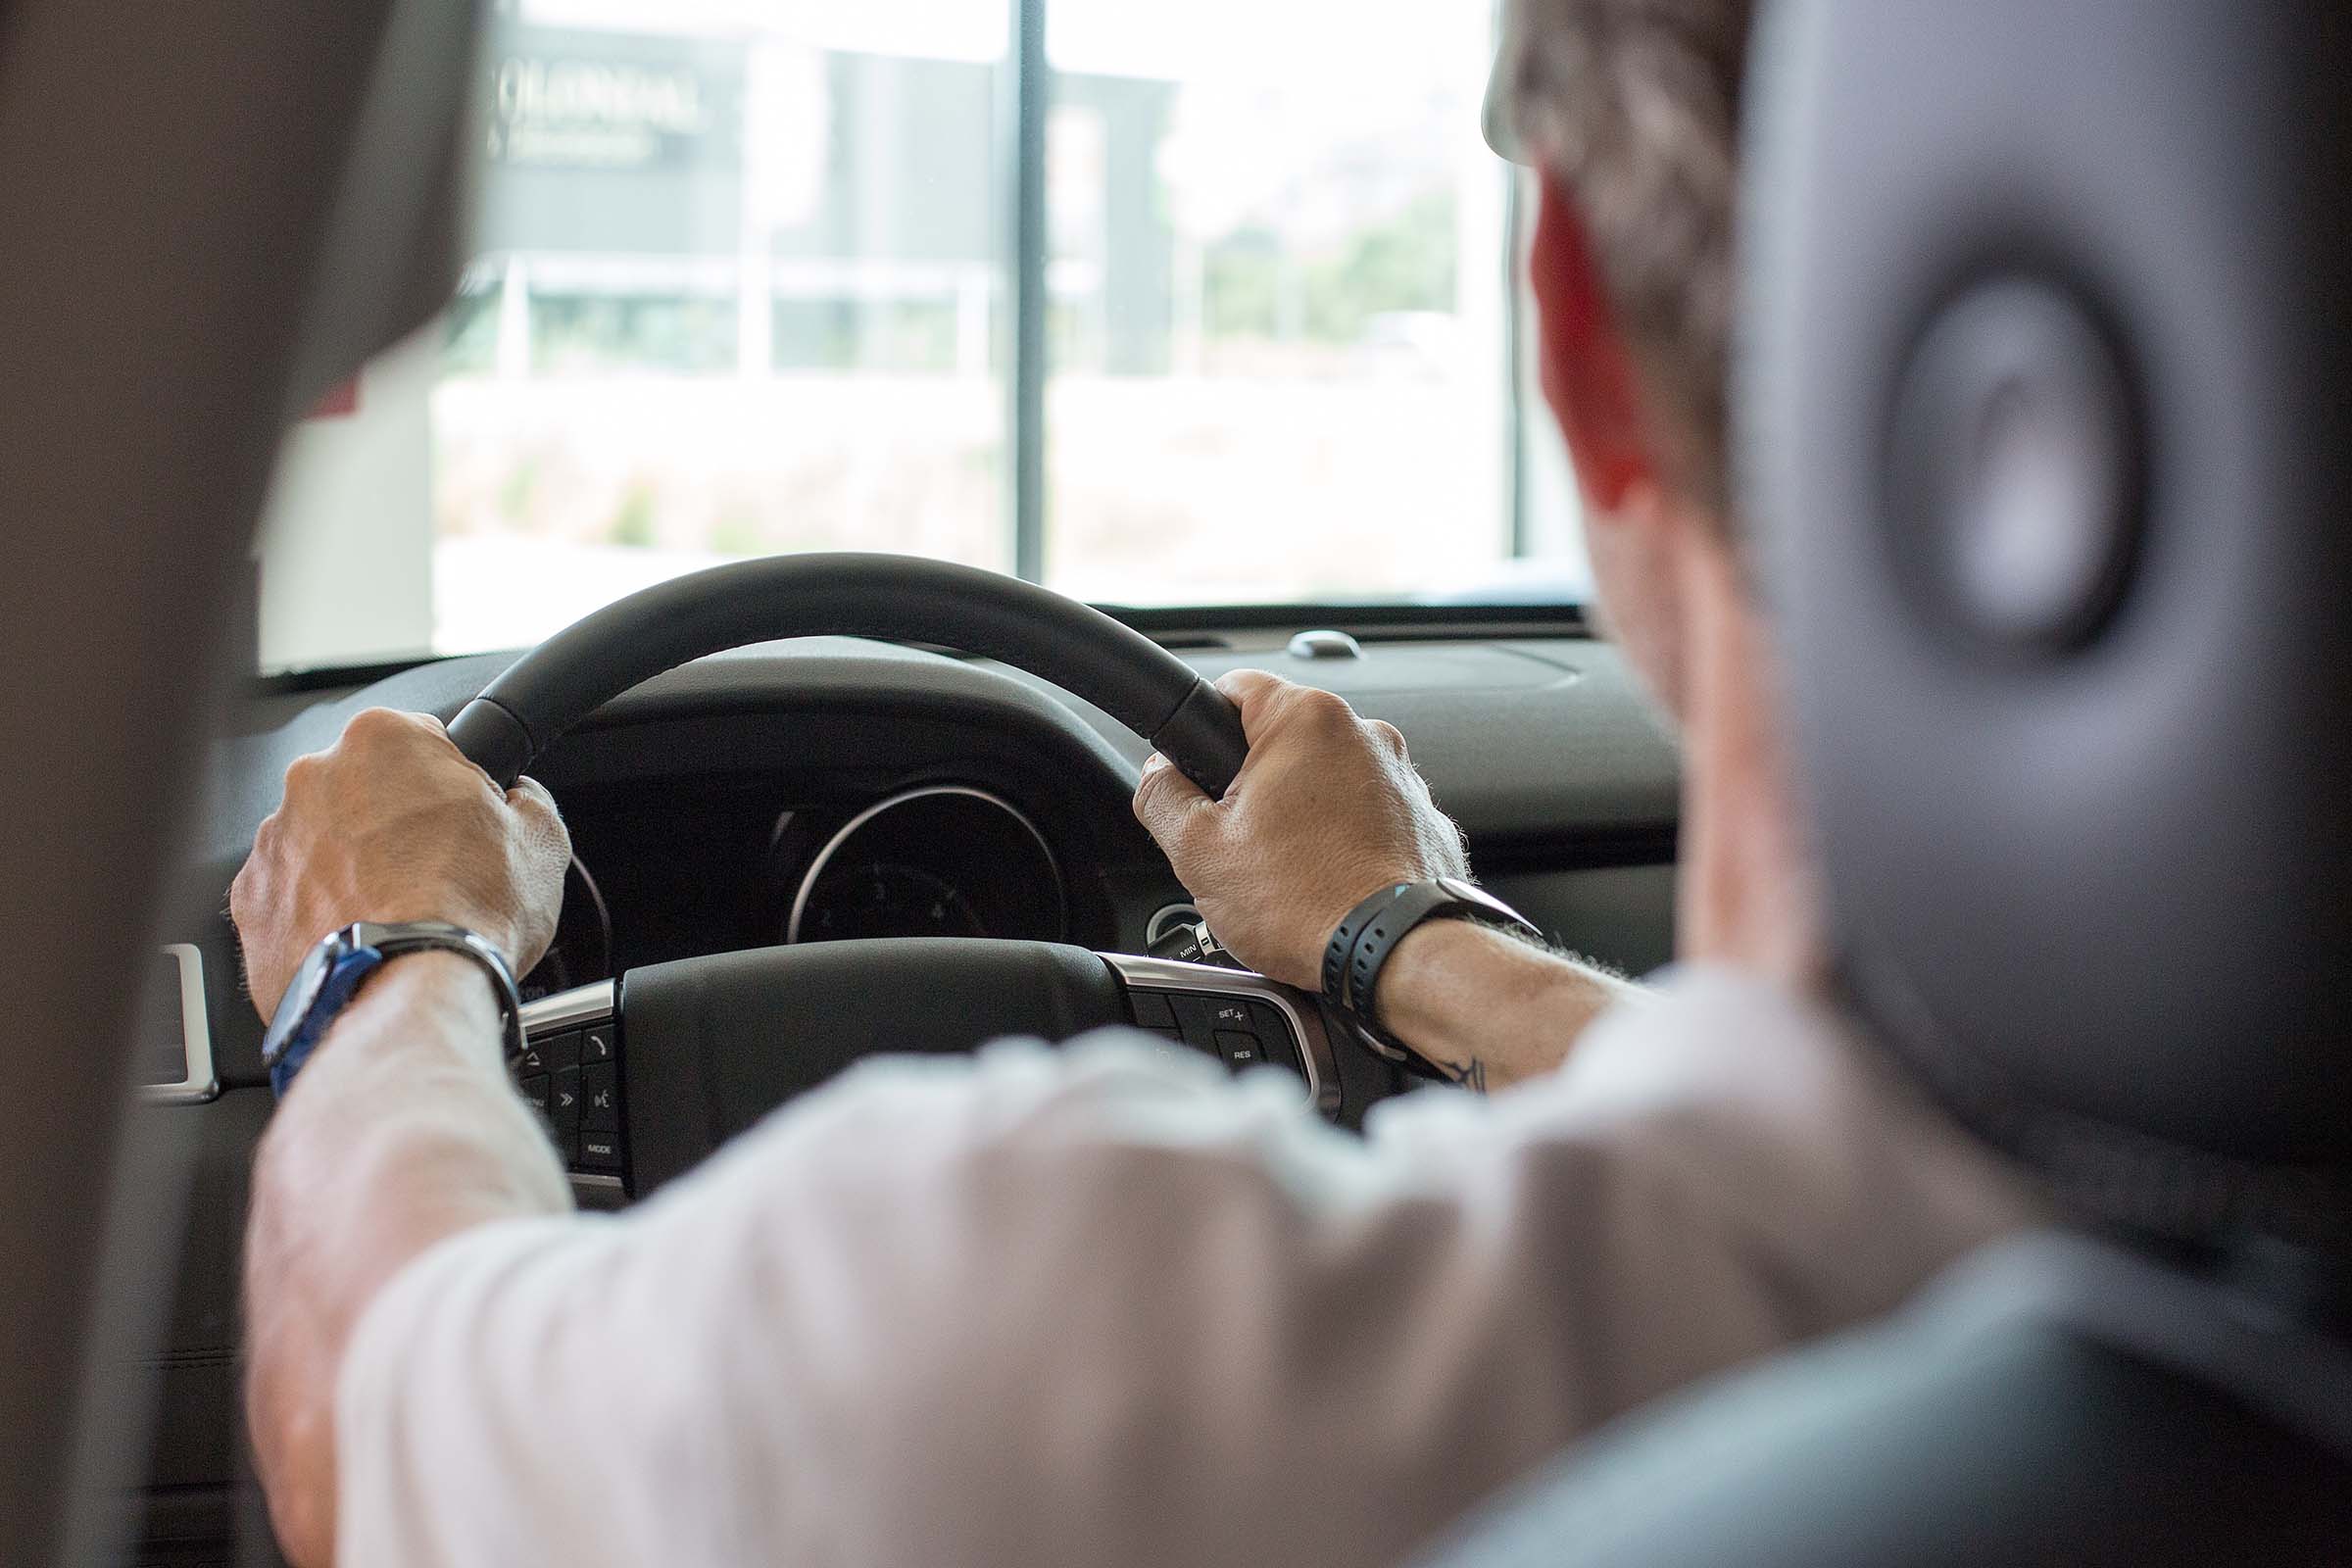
[(747, 277)]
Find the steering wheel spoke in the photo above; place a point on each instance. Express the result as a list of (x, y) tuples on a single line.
[(639, 1079)]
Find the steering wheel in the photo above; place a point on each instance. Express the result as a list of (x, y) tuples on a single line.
[(902, 598), (700, 1047)]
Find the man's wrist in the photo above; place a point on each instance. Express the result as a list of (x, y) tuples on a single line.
[(1433, 968), (462, 981), (1356, 957), (449, 984), (328, 982), (1487, 1007)]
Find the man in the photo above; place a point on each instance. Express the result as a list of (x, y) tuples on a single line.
[(1098, 1305)]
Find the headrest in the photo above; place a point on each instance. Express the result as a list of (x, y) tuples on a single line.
[(391, 254), (2043, 424)]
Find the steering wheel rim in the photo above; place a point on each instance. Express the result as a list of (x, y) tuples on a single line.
[(902, 598), (704, 1046)]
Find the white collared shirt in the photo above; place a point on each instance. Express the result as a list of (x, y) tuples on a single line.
[(1103, 1306)]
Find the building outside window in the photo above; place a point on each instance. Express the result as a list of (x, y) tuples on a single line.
[(740, 285)]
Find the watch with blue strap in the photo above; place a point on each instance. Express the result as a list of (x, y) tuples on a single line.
[(333, 972)]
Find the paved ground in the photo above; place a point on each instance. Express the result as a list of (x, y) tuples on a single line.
[(552, 497)]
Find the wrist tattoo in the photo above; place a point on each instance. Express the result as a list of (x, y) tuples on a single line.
[(1471, 1074)]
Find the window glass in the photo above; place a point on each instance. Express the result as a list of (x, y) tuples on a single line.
[(1280, 349), (734, 293), (738, 286)]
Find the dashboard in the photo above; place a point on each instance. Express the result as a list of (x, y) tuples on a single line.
[(743, 862), (828, 788)]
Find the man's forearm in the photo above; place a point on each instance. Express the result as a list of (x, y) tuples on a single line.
[(401, 1131), (1485, 1007)]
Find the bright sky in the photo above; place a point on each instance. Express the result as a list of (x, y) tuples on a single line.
[(1275, 42)]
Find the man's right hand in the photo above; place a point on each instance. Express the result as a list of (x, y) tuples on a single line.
[(393, 822), (1326, 809), (406, 1131)]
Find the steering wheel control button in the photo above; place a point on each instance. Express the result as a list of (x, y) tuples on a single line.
[(552, 1052), (572, 1040), (1150, 1011), (1182, 942), (548, 1052), (1237, 1030), (599, 1099), (1238, 1017), (564, 1103), (1274, 1037), (1167, 1043), (1193, 1017)]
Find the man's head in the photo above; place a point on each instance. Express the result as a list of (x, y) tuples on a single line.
[(1631, 108)]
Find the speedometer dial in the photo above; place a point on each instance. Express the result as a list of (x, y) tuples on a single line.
[(936, 861), (883, 899)]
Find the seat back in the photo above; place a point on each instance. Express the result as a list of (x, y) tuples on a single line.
[(2058, 1402), (2043, 432), (2043, 435), (208, 214)]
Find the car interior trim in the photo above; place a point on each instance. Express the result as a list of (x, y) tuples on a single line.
[(593, 1189), (198, 1083), (596, 1003), (589, 1004), (1139, 973), (1167, 919)]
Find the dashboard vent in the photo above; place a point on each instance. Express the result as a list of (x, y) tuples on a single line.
[(176, 1040)]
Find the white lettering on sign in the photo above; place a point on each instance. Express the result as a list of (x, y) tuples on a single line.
[(591, 113), (596, 92)]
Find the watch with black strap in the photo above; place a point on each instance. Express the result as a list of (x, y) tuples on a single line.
[(1360, 945), (333, 972)]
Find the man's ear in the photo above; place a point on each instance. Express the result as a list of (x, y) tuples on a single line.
[(1586, 371)]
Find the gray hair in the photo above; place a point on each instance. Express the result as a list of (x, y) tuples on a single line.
[(1632, 108)]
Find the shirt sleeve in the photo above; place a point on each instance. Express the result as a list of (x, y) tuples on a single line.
[(1098, 1305)]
